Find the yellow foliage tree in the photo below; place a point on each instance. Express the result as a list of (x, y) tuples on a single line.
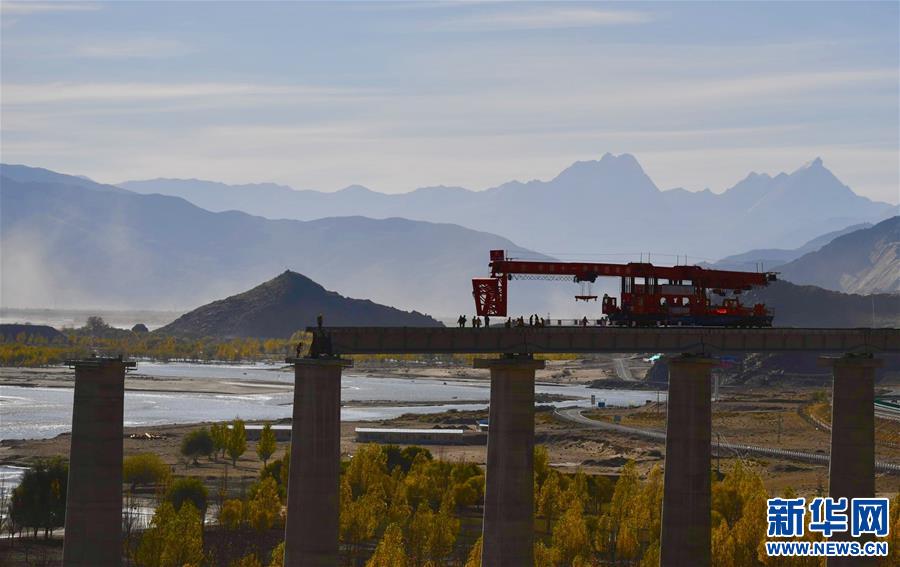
[(174, 539), (231, 514), (571, 540), (264, 509), (390, 551), (277, 556), (474, 559)]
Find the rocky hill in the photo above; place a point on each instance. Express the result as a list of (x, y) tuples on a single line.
[(810, 306), (283, 305), (863, 261)]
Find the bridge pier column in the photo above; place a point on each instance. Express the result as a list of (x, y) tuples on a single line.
[(508, 529), (852, 467), (93, 524), (311, 529), (686, 525)]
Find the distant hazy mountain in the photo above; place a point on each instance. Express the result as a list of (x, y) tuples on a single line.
[(26, 174), (283, 305), (604, 206), (810, 306), (863, 261), (67, 243), (771, 258)]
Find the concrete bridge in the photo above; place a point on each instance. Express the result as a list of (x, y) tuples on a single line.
[(311, 531)]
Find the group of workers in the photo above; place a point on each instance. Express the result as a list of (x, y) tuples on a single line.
[(533, 321)]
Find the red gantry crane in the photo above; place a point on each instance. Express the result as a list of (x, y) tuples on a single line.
[(651, 295)]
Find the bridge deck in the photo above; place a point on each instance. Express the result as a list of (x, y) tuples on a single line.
[(535, 340)]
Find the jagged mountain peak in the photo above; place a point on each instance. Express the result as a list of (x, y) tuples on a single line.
[(622, 168), (814, 164)]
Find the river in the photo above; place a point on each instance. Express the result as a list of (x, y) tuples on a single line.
[(27, 413)]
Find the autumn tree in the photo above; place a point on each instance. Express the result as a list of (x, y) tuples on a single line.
[(236, 443), (391, 550), (444, 530), (188, 489), (264, 507), (143, 469), (571, 540), (219, 433), (549, 499), (197, 443), (277, 559), (474, 558), (39, 502), (266, 446), (360, 517), (739, 512), (174, 539), (231, 514), (418, 534)]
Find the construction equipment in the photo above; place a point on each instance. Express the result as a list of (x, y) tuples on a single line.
[(651, 295)]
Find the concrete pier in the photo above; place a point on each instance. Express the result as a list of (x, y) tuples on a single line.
[(311, 529), (93, 526), (686, 525), (509, 484), (852, 468)]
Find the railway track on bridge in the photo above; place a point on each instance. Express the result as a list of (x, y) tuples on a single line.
[(574, 415)]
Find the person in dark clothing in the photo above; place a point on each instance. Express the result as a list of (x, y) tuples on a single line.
[(508, 323), (461, 321), (319, 321), (487, 321)]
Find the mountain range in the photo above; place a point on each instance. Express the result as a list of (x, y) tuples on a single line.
[(283, 305), (600, 206), (863, 261), (770, 259), (69, 241), (810, 306)]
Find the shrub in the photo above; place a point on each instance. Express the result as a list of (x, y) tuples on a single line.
[(188, 489), (197, 443), (145, 468)]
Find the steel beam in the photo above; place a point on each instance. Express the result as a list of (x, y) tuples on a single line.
[(536, 340)]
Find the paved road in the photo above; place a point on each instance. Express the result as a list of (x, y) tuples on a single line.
[(574, 415)]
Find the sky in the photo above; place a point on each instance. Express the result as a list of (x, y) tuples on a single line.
[(396, 96)]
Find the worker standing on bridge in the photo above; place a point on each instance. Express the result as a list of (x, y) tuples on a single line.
[(508, 323), (487, 321), (584, 322), (461, 321), (319, 321), (475, 321)]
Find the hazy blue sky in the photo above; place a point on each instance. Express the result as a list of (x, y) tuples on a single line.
[(399, 95)]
